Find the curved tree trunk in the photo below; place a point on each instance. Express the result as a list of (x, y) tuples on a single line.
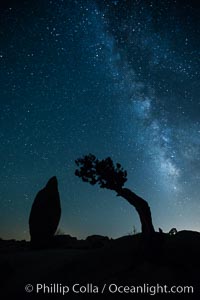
[(142, 208)]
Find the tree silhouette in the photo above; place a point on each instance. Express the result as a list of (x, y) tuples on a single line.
[(113, 177)]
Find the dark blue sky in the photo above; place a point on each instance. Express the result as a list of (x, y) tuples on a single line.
[(114, 78)]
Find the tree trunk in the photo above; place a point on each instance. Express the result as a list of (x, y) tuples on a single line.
[(142, 208)]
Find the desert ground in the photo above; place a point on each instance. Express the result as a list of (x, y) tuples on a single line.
[(83, 268)]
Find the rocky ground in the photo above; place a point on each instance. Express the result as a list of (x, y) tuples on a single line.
[(102, 267)]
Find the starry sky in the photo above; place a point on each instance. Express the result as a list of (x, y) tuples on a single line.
[(115, 78)]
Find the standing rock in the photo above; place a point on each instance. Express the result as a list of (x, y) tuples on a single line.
[(45, 215)]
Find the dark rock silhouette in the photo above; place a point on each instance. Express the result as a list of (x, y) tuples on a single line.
[(107, 175), (65, 241), (45, 214), (173, 231), (91, 242), (97, 241)]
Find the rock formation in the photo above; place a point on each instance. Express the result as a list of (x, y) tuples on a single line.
[(45, 214)]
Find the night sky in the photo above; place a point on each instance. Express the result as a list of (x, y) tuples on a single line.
[(112, 78)]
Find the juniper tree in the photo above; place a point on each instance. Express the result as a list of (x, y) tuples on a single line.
[(112, 176)]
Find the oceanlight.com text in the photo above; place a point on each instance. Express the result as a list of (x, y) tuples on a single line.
[(111, 288)]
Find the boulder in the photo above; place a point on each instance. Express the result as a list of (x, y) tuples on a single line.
[(97, 241), (45, 214)]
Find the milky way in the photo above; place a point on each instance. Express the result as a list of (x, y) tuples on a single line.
[(114, 78)]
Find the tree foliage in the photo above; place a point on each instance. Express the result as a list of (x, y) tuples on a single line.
[(103, 172)]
